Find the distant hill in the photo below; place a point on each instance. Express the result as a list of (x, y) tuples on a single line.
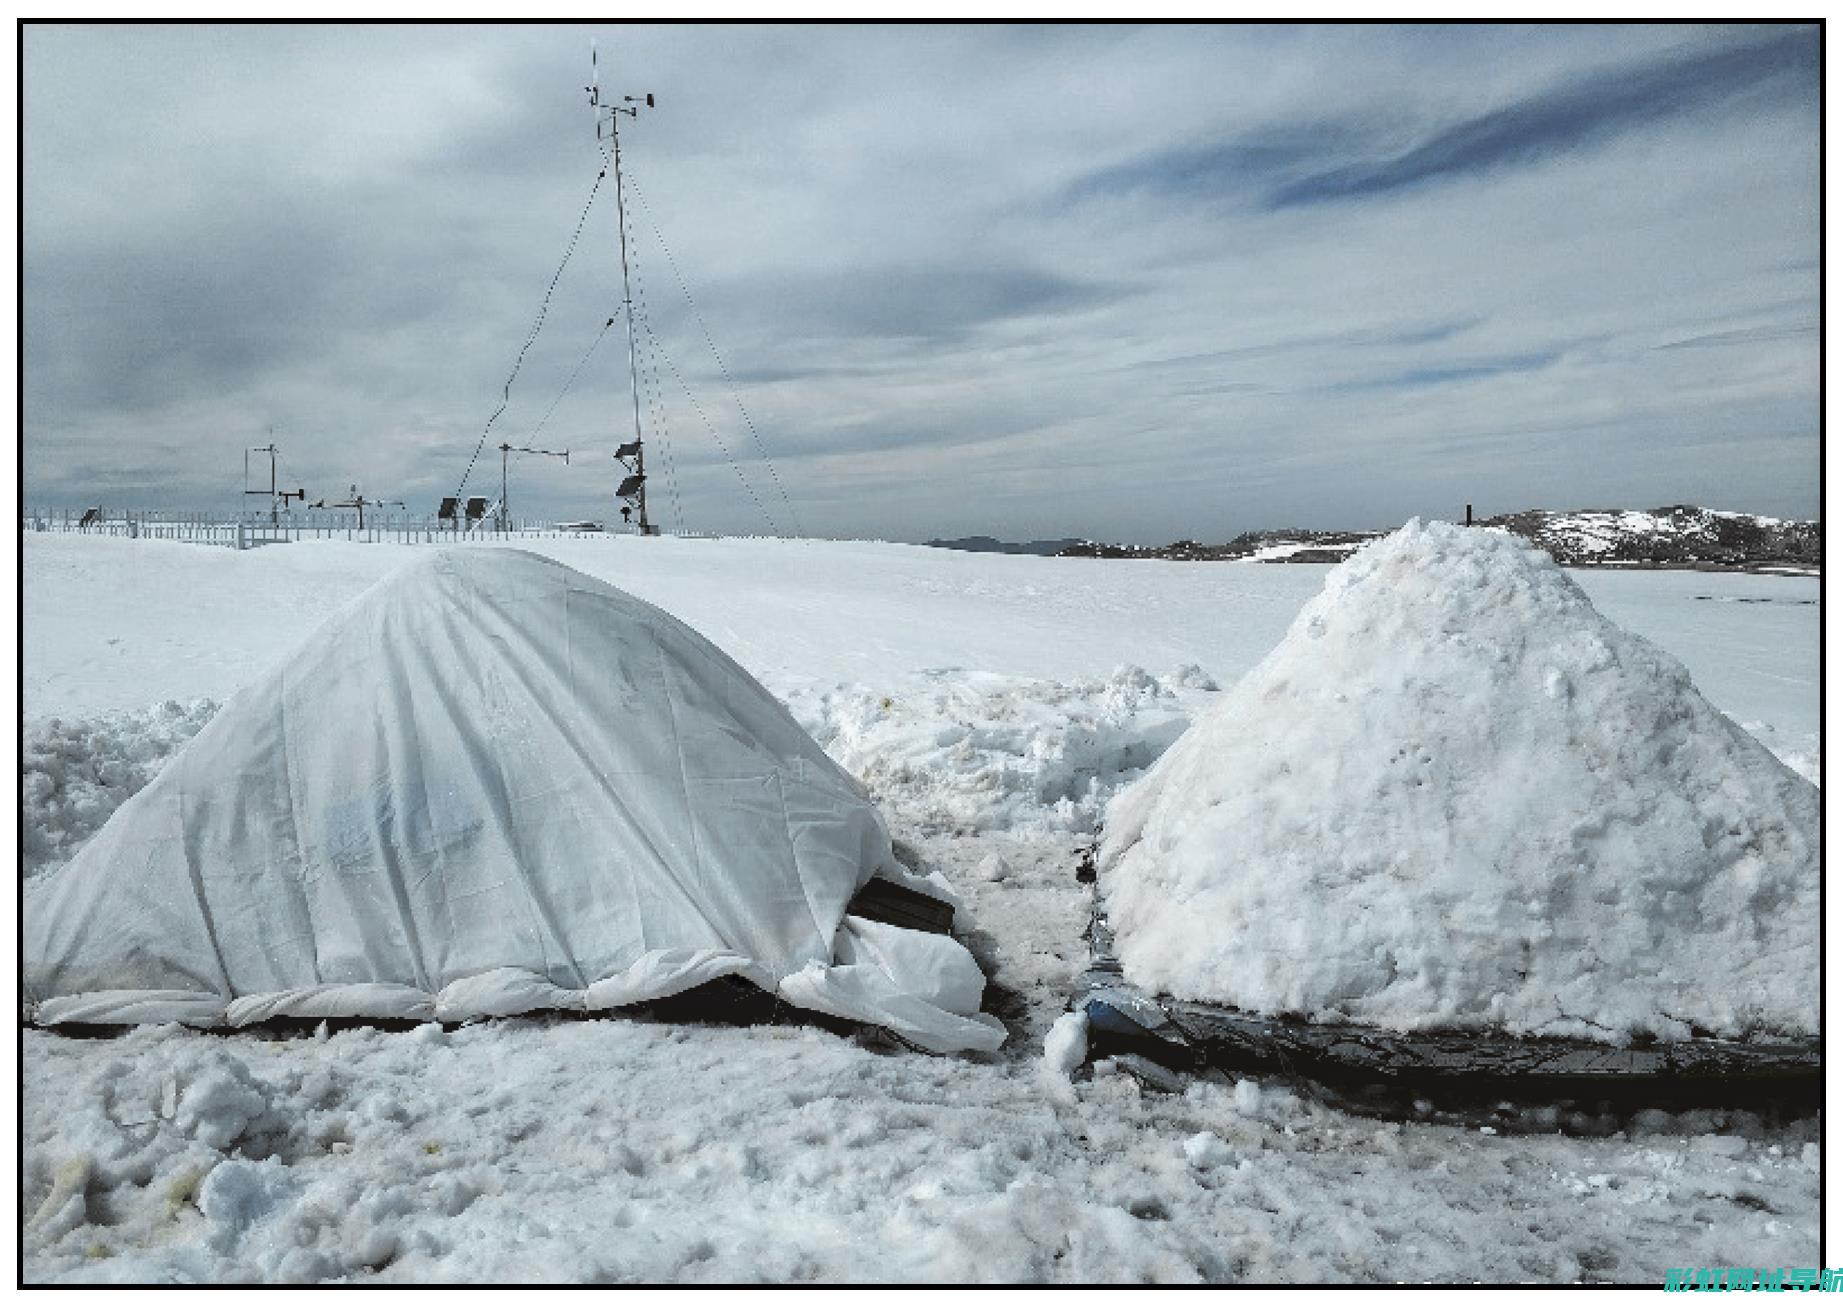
[(1666, 536), (1307, 546), (983, 543), (1670, 535)]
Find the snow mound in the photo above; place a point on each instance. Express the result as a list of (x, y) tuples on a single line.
[(1457, 795), (492, 785), (76, 772), (972, 752)]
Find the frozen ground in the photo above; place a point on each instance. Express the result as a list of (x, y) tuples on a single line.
[(992, 702)]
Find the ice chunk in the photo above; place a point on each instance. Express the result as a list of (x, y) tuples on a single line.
[(239, 1193), (1206, 1151), (1066, 1046)]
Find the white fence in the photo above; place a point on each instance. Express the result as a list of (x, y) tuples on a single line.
[(245, 531)]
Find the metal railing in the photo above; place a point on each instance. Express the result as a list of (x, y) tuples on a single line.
[(242, 531)]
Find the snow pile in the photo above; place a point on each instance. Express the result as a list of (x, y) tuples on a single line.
[(977, 751), (74, 773), (1455, 794)]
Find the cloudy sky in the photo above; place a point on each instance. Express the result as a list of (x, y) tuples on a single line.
[(1124, 283)]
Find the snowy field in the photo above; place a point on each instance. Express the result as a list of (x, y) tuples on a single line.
[(993, 704)]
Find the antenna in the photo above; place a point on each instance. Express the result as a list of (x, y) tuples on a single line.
[(359, 500), (631, 455), (505, 454), (274, 514)]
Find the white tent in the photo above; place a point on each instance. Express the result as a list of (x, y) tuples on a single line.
[(491, 785)]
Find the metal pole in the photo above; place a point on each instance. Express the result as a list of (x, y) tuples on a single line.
[(633, 369)]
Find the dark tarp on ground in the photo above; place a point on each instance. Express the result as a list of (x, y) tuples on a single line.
[(1388, 1067)]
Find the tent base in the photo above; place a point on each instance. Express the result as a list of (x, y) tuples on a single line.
[(726, 1001), (1537, 1083)]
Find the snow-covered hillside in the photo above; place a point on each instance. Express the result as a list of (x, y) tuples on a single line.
[(1670, 535), (992, 703), (1666, 535)]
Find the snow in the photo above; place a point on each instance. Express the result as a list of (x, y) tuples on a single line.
[(76, 772), (159, 620), (1592, 532), (626, 1150), (1589, 533), (974, 751), (1457, 795), (1280, 550), (1749, 644), (633, 1152), (1592, 536), (1066, 1046), (1207, 1151)]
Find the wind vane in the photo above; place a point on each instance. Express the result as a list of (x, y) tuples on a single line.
[(277, 497), (359, 500)]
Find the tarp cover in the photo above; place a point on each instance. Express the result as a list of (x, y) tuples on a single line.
[(491, 785)]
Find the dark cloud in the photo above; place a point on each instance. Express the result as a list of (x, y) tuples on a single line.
[(1750, 335), (1404, 335), (1574, 115), (1208, 170), (1468, 369), (1285, 167), (225, 309), (940, 303)]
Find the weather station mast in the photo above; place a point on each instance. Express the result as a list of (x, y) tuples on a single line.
[(632, 456)]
